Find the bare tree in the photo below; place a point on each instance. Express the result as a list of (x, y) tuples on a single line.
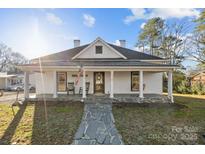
[(4, 56), (9, 59), (196, 43), (173, 43), (196, 47)]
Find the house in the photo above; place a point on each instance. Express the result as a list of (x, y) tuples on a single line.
[(198, 77), (108, 68), (7, 80)]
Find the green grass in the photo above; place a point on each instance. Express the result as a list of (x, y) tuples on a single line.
[(154, 125), (40, 124), (64, 109), (191, 102)]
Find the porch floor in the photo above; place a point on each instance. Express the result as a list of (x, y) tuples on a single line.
[(105, 98)]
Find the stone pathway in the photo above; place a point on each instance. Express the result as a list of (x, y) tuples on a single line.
[(97, 126)]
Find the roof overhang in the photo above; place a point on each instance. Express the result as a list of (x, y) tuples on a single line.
[(96, 68), (201, 72), (8, 76)]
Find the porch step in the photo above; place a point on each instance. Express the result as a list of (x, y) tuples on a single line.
[(101, 100)]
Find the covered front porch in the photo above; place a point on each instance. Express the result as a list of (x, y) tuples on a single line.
[(116, 84)]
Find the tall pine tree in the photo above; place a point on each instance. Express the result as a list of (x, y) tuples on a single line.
[(151, 34)]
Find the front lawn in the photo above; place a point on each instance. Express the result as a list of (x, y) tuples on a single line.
[(50, 123), (179, 123)]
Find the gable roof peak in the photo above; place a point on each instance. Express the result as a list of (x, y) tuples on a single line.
[(105, 43), (98, 38)]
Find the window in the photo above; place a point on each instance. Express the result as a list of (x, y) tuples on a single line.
[(98, 49), (61, 81), (134, 81)]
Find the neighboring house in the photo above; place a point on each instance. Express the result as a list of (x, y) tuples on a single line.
[(198, 77), (7, 80), (16, 79), (109, 69)]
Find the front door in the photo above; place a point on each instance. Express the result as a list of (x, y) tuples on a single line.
[(61, 81), (99, 84)]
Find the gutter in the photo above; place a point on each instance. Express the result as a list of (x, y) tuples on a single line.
[(95, 67)]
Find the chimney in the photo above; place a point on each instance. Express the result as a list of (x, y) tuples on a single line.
[(76, 43), (122, 43)]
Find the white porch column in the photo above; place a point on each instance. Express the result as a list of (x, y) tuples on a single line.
[(141, 85), (84, 85), (26, 85), (54, 84), (6, 83), (170, 86), (111, 84)]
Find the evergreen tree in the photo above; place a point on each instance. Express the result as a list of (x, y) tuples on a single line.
[(151, 34)]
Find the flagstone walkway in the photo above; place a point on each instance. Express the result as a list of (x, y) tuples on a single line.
[(97, 126)]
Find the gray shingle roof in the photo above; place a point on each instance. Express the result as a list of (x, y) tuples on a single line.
[(132, 54), (68, 54), (63, 55)]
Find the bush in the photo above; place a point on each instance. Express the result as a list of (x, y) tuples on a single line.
[(182, 85), (178, 78), (198, 88), (179, 81), (183, 88)]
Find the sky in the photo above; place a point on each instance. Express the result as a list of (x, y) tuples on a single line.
[(38, 32)]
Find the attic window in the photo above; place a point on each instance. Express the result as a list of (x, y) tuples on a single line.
[(98, 49)]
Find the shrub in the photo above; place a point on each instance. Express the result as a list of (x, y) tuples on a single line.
[(198, 88), (183, 87), (179, 81)]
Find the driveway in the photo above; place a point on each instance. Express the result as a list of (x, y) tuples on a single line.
[(97, 126), (10, 96)]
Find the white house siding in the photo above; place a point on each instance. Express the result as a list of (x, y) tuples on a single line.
[(44, 83), (153, 82), (122, 82), (107, 52), (107, 82)]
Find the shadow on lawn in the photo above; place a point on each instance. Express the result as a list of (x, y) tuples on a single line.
[(41, 121), (10, 131), (55, 123), (50, 123), (39, 124)]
